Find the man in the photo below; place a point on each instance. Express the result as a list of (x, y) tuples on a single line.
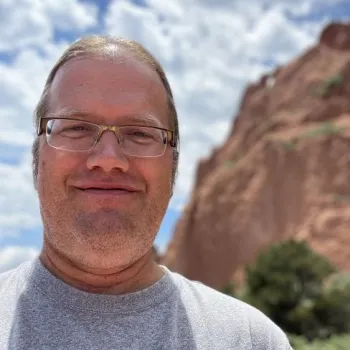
[(104, 165)]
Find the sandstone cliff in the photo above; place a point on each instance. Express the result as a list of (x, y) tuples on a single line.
[(283, 172)]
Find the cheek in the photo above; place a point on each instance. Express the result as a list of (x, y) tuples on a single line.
[(54, 168), (157, 173)]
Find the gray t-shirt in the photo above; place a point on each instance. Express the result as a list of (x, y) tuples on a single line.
[(39, 311)]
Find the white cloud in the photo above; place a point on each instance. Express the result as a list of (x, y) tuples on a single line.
[(70, 15), (32, 22), (21, 83), (12, 256), (275, 35), (141, 24), (19, 206)]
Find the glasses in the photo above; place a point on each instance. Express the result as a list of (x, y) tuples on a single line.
[(81, 136)]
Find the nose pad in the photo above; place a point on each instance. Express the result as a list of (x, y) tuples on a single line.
[(108, 155), (110, 142), (119, 136)]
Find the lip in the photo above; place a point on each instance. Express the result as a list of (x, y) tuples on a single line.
[(106, 193), (118, 187)]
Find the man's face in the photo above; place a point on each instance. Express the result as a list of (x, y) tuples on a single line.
[(107, 227)]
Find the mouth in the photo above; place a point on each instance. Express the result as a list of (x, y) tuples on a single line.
[(97, 190), (107, 191), (104, 189)]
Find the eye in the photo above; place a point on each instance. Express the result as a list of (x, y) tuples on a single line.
[(71, 128), (140, 133), (78, 128)]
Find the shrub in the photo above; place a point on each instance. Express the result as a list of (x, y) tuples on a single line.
[(333, 308), (289, 145), (286, 283), (341, 198), (302, 293), (336, 342), (326, 128), (325, 88), (229, 289)]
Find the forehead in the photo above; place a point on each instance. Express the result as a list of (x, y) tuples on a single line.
[(110, 89)]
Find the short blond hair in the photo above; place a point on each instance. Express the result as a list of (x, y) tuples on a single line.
[(105, 46)]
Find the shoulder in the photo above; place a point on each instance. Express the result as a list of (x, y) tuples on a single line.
[(264, 332), (14, 279), (231, 316)]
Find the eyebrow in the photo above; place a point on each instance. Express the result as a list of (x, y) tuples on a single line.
[(142, 119)]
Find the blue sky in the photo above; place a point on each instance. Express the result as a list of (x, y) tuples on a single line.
[(210, 51)]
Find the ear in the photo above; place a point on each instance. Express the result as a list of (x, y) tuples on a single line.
[(35, 161)]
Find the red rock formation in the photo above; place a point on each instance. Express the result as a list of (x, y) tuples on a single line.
[(283, 172)]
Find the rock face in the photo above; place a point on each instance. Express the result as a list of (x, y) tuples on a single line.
[(283, 172)]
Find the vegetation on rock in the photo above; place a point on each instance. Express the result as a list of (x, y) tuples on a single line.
[(302, 293), (325, 88)]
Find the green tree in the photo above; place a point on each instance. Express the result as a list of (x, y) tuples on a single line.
[(286, 283), (229, 289), (335, 342), (333, 307)]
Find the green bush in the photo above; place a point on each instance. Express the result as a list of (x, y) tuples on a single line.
[(230, 163), (302, 293), (233, 162), (341, 198), (325, 88), (336, 342), (289, 145), (229, 289), (326, 128), (286, 283), (333, 308)]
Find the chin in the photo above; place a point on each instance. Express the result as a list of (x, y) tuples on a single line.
[(105, 222), (113, 237), (111, 255)]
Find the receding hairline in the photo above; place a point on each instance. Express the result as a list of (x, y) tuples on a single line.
[(119, 55), (109, 48), (121, 58)]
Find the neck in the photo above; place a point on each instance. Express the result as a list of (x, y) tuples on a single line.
[(136, 276)]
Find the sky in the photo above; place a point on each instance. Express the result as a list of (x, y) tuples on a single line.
[(210, 50)]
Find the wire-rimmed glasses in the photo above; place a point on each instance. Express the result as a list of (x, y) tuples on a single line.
[(77, 135)]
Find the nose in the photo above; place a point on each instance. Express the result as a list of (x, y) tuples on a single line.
[(108, 155)]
